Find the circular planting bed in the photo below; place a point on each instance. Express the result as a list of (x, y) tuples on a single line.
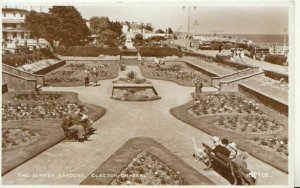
[(72, 74), (13, 137), (145, 169), (178, 72)]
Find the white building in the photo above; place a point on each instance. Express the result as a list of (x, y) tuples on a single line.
[(13, 20)]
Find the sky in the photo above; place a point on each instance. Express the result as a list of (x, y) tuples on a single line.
[(210, 19), (229, 18)]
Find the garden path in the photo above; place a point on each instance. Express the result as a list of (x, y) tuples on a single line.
[(125, 120)]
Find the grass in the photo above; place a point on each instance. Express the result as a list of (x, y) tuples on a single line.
[(204, 123), (71, 74), (123, 156), (50, 132)]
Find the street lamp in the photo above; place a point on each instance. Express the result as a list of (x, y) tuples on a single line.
[(195, 26), (189, 15)]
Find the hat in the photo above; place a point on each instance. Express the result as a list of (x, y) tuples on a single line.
[(215, 139), (232, 145)]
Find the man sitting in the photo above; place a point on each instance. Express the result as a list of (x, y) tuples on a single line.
[(71, 129), (222, 149), (201, 153), (80, 118)]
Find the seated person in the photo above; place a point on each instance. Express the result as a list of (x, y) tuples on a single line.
[(245, 172), (80, 118), (70, 128), (233, 150), (222, 148), (200, 153)]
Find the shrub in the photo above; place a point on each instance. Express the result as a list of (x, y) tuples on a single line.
[(87, 51), (131, 75), (276, 59)]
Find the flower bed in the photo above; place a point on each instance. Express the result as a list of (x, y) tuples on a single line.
[(36, 110), (220, 103), (145, 169), (178, 72), (254, 123), (37, 97), (72, 73), (12, 138), (273, 144)]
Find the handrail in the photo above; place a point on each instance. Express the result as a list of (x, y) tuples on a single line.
[(24, 78)]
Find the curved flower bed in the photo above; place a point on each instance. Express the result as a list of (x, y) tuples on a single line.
[(178, 72), (13, 137), (253, 123), (220, 103), (145, 169)]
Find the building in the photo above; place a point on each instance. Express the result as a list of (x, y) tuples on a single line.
[(13, 20)]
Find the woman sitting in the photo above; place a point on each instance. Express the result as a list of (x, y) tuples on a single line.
[(245, 173)]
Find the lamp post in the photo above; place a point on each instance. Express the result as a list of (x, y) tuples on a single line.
[(195, 26), (189, 16)]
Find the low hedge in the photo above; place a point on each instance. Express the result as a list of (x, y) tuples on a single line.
[(84, 51), (276, 75), (276, 59), (159, 51)]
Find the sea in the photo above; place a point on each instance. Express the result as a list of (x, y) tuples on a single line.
[(261, 38)]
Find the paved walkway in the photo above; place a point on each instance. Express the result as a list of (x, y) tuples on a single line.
[(262, 64), (125, 120)]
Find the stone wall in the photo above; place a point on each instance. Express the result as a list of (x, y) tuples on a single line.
[(266, 99), (18, 83)]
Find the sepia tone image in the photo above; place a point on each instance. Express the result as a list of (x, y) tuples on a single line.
[(145, 94)]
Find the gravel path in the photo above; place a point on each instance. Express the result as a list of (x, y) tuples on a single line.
[(125, 120)]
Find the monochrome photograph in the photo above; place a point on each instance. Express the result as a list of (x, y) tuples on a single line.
[(136, 93)]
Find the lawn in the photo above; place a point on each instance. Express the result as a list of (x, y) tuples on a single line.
[(130, 156), (270, 147), (177, 71), (23, 139), (71, 74)]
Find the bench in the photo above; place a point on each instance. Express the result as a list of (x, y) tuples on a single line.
[(219, 160)]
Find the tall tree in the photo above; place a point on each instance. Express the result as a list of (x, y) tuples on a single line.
[(70, 27), (62, 23)]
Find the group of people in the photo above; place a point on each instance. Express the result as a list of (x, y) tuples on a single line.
[(237, 54), (229, 150), (87, 74), (76, 124)]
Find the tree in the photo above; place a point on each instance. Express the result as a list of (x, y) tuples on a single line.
[(170, 31), (99, 24), (62, 23), (159, 31), (70, 27), (138, 37), (149, 28)]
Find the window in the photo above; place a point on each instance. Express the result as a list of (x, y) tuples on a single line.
[(4, 14), (21, 15), (14, 14)]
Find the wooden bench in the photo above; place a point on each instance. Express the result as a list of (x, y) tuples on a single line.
[(219, 160)]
